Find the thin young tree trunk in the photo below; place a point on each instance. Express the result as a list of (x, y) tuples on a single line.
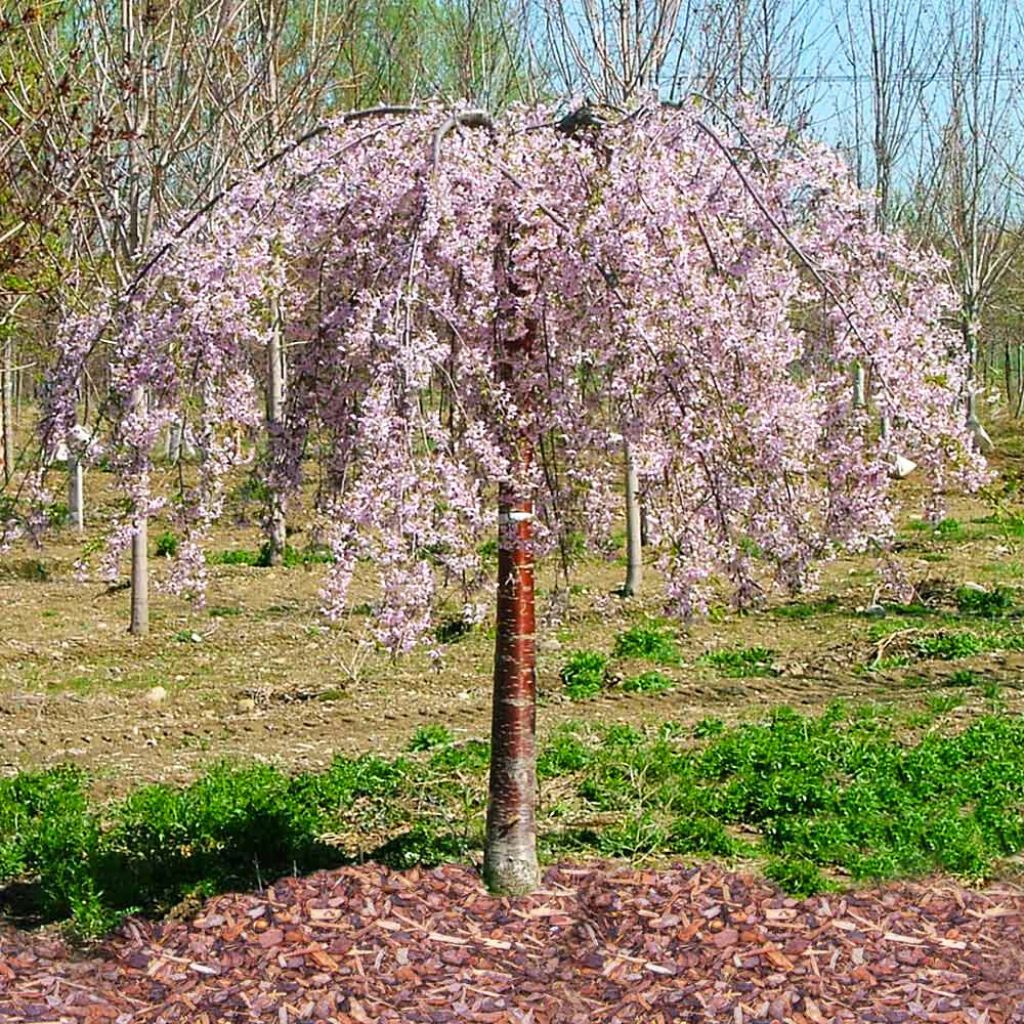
[(76, 497), (139, 625), (140, 578), (277, 532), (7, 402), (1020, 382), (974, 424), (634, 533), (1007, 372), (510, 855), (859, 389)]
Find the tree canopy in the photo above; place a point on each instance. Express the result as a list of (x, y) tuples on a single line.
[(475, 303)]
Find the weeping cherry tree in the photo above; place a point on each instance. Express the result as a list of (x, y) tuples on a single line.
[(472, 302)]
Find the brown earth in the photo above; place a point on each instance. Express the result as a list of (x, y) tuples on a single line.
[(260, 674)]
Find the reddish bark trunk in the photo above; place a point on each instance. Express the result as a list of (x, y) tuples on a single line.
[(510, 857)]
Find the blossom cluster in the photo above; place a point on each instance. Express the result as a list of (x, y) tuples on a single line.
[(474, 307)]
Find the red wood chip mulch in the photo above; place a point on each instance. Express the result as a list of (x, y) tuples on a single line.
[(596, 944)]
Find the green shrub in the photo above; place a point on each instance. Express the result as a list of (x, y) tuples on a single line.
[(583, 674), (797, 876)]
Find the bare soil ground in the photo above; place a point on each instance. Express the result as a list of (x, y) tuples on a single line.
[(259, 674)]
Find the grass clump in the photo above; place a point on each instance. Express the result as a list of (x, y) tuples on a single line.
[(648, 682), (948, 529), (648, 642), (429, 737), (223, 611), (166, 545), (965, 677), (291, 557), (708, 727), (798, 876), (583, 674), (988, 604), (741, 662), (806, 609), (236, 556), (949, 645)]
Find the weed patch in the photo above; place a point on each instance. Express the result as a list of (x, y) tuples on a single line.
[(166, 545), (427, 737), (806, 609), (988, 604), (648, 642), (583, 675), (648, 682), (741, 662)]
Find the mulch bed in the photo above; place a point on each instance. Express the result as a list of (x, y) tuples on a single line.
[(597, 944)]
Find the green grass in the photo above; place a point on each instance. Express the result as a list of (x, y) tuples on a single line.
[(807, 609), (290, 558), (648, 642), (845, 794), (428, 737), (236, 556), (741, 662), (166, 545), (944, 529), (648, 682), (987, 604), (583, 675), (942, 638)]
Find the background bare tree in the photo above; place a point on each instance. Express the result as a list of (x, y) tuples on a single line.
[(969, 206)]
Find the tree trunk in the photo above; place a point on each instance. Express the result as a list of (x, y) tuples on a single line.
[(277, 532), (974, 425), (7, 406), (634, 532), (510, 858), (1008, 372), (139, 625), (76, 498), (1020, 382), (859, 390), (173, 450), (510, 855), (270, 17)]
